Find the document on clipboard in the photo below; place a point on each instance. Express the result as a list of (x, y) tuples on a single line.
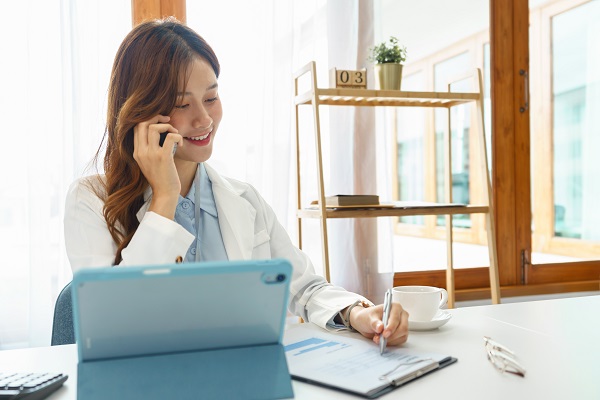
[(354, 365)]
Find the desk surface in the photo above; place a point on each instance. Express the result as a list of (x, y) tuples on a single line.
[(557, 341)]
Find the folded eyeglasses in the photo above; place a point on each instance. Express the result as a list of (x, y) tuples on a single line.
[(502, 358)]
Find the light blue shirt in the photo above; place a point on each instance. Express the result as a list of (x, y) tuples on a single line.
[(208, 240)]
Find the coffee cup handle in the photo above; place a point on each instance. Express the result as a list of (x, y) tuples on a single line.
[(444, 299)]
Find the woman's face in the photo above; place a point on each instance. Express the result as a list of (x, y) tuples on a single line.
[(198, 113)]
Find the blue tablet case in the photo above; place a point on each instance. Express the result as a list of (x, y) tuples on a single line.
[(185, 331)]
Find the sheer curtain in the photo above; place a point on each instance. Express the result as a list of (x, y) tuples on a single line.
[(253, 142), (56, 59), (54, 77), (258, 57), (360, 248)]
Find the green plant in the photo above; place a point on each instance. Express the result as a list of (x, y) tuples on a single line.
[(388, 52)]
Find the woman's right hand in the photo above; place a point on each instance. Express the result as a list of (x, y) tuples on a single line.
[(156, 162)]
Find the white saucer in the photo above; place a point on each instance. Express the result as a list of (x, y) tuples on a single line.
[(440, 319)]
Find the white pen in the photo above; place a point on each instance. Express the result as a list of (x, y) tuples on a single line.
[(387, 305)]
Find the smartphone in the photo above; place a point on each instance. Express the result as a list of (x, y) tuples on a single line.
[(163, 136)]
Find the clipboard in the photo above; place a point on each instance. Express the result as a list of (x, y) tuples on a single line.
[(354, 365), (182, 331)]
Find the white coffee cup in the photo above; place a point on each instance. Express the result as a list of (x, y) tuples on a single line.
[(421, 302)]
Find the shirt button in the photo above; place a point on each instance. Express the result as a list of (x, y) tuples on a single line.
[(193, 251), (185, 205)]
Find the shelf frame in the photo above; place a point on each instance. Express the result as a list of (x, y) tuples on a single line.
[(316, 97)]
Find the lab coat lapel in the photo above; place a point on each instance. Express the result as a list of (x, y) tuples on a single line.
[(236, 217)]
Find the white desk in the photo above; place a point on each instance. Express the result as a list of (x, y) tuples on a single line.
[(557, 341)]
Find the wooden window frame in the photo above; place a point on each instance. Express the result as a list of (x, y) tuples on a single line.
[(511, 178), (142, 10), (574, 275)]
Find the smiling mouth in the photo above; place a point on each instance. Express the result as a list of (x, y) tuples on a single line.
[(199, 138)]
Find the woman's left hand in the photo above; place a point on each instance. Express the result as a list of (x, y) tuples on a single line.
[(368, 321)]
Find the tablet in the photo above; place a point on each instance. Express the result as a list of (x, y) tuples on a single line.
[(152, 310)]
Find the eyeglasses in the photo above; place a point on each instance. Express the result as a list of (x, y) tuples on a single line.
[(502, 358)]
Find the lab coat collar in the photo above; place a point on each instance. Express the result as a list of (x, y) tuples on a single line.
[(236, 215)]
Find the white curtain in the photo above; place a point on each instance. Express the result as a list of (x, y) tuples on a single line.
[(54, 78), (255, 141), (56, 59), (358, 165)]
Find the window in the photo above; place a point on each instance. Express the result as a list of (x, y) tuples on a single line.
[(445, 72), (420, 154), (575, 96), (565, 91), (564, 131), (411, 148)]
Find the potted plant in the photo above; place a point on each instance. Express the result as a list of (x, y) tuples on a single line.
[(388, 57)]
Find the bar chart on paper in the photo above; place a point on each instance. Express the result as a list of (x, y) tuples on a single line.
[(312, 344), (351, 364), (344, 357)]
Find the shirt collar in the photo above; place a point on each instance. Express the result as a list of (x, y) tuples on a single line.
[(207, 199)]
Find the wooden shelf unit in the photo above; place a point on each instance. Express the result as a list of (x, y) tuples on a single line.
[(316, 97)]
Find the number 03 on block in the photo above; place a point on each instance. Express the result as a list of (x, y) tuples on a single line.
[(348, 78)]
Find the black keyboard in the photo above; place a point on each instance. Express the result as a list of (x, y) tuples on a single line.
[(29, 385)]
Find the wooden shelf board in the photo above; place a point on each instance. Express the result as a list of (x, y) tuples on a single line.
[(392, 212), (393, 98)]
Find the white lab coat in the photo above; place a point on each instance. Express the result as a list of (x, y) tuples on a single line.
[(249, 228)]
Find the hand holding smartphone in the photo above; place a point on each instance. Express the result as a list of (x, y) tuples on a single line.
[(163, 136)]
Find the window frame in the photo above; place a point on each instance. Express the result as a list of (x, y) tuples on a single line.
[(509, 54)]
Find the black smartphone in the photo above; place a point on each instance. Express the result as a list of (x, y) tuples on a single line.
[(163, 136)]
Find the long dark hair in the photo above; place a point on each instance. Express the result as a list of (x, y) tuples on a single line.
[(149, 70)]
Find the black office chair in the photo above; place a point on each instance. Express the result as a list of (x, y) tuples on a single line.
[(62, 326)]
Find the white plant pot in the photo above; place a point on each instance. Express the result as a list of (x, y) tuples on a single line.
[(388, 76)]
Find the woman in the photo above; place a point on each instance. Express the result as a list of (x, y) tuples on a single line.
[(143, 209)]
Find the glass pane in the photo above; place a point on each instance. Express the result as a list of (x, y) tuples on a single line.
[(411, 151), (441, 45), (576, 100), (565, 88), (445, 72)]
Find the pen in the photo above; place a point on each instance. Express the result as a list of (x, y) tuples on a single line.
[(387, 305)]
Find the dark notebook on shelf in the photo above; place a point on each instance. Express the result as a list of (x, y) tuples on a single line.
[(350, 200)]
